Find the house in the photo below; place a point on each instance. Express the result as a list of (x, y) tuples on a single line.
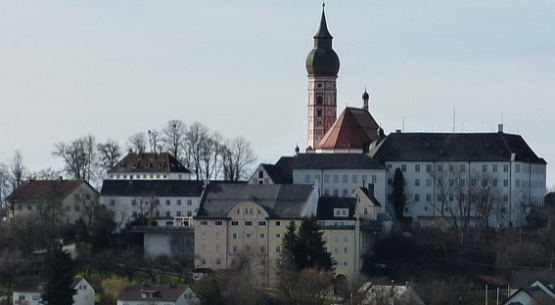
[(164, 202), (56, 201), (538, 292), (241, 224), (437, 167), (29, 289), (525, 277), (351, 227), (157, 295)]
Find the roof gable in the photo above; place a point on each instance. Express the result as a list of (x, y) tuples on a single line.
[(354, 129)]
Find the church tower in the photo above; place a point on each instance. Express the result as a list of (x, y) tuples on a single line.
[(322, 65)]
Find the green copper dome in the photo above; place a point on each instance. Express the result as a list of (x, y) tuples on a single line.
[(322, 59)]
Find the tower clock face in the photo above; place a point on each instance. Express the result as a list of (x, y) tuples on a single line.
[(318, 123)]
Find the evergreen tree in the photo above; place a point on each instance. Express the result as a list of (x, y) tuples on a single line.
[(398, 193), (57, 273), (306, 248)]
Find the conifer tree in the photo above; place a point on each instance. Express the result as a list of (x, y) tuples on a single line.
[(57, 273)]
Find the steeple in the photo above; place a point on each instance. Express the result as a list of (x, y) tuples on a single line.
[(322, 65), (322, 60)]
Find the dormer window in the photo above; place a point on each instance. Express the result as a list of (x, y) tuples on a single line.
[(340, 212)]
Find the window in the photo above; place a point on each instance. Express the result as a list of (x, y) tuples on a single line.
[(168, 202), (345, 250), (260, 174), (428, 197), (234, 223), (189, 213), (218, 261), (506, 198), (326, 192), (374, 178), (203, 261), (189, 202), (428, 182), (262, 249), (417, 168), (403, 168), (234, 249), (262, 223), (234, 236), (345, 178), (278, 223), (326, 178), (278, 249), (494, 168), (112, 202), (335, 178), (219, 222), (463, 168), (345, 192), (306, 178), (133, 202), (76, 207), (517, 168), (517, 182), (417, 182), (262, 235), (178, 213), (336, 192), (417, 197), (506, 168), (278, 235), (248, 235), (428, 168), (389, 181), (494, 182), (346, 238), (440, 167), (506, 182), (204, 222), (178, 202), (484, 168), (248, 223)]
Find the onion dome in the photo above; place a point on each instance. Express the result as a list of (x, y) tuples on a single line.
[(322, 59)]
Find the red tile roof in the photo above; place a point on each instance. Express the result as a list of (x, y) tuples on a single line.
[(354, 129), (45, 189)]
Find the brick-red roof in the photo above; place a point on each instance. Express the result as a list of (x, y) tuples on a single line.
[(149, 162), (354, 129), (45, 189)]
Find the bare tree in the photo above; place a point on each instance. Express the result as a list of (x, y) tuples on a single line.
[(137, 142), (202, 151), (465, 200), (17, 170), (174, 138), (80, 157), (155, 141), (45, 174), (237, 157), (109, 154)]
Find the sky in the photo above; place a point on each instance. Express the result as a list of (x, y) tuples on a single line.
[(114, 68)]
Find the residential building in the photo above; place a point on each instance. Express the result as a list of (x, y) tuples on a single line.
[(538, 292), (241, 224), (351, 227), (438, 166), (29, 289), (54, 201), (157, 295), (164, 202)]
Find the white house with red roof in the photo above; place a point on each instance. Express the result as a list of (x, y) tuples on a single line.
[(171, 294)]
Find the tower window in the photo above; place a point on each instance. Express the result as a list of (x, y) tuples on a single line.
[(319, 100), (319, 112)]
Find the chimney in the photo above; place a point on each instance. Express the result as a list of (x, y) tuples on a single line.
[(500, 128)]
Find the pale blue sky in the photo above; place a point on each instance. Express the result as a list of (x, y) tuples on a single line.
[(114, 68)]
